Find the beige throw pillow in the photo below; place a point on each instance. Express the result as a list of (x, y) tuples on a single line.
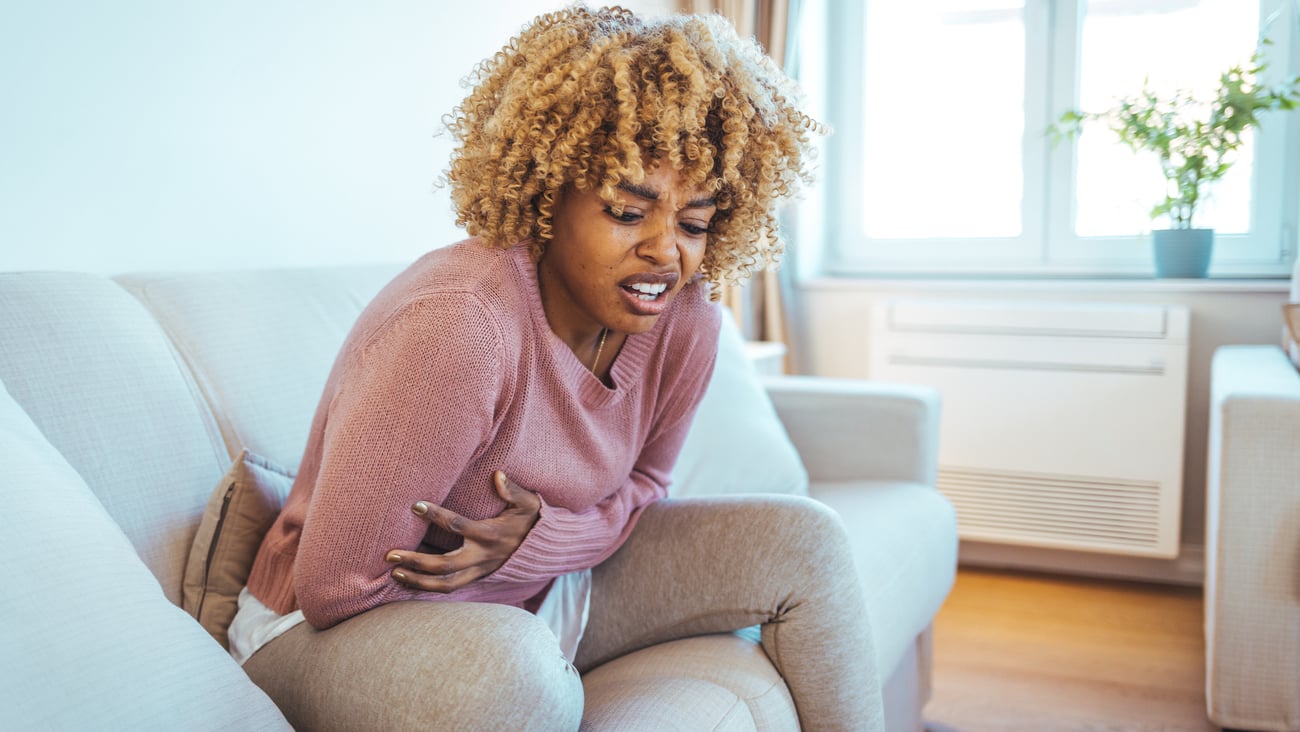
[(242, 508)]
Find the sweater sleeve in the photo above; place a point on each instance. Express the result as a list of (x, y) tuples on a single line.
[(417, 403), (564, 541)]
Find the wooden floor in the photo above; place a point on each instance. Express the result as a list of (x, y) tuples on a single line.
[(1042, 653)]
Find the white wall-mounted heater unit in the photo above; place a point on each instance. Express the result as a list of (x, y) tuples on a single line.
[(1062, 422)]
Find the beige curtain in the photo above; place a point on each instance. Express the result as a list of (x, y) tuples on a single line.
[(758, 305)]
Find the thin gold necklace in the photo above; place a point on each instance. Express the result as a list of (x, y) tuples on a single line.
[(604, 333)]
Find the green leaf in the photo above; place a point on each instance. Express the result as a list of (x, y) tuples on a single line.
[(1195, 140)]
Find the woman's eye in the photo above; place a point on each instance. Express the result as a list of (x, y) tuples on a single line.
[(625, 216), (694, 229)]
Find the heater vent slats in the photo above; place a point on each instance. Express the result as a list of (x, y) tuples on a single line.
[(1062, 422), (1081, 512)]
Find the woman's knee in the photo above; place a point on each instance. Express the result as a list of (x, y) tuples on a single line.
[(522, 672), (813, 515), (791, 518), (420, 665)]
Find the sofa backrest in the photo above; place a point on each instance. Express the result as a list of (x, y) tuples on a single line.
[(260, 343), (98, 376), (151, 385)]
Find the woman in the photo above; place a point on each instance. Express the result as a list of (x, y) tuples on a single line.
[(505, 414)]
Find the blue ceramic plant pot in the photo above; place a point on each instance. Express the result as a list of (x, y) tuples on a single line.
[(1182, 252)]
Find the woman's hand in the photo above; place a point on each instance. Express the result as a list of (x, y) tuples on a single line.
[(488, 543)]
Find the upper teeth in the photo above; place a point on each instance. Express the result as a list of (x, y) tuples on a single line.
[(645, 288)]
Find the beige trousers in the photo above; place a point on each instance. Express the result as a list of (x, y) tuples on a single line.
[(690, 567), (710, 565)]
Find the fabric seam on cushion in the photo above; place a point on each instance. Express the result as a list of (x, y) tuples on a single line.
[(214, 544), (752, 701), (739, 704), (194, 383), (772, 687)]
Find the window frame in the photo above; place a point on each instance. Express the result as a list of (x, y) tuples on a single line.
[(1047, 245)]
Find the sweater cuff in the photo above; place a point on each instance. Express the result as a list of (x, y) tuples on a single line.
[(560, 542), (271, 581)]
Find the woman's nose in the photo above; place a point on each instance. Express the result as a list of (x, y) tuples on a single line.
[(660, 242)]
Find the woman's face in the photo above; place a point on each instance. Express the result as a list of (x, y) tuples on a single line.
[(619, 266)]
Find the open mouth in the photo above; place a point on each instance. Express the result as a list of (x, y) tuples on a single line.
[(645, 291), (648, 293)]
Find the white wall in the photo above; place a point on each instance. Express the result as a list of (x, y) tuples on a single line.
[(199, 134)]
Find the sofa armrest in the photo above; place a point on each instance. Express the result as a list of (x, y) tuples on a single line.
[(851, 429), (1252, 610)]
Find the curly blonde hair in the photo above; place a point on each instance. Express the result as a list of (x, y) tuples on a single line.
[(594, 97)]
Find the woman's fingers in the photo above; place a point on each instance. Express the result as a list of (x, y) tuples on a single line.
[(435, 582), (520, 503), (426, 563), (451, 521), (487, 544), (435, 572), (515, 495)]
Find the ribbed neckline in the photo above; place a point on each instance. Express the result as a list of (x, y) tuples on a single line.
[(629, 364)]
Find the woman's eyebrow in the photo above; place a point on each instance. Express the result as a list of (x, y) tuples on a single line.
[(639, 191), (651, 194)]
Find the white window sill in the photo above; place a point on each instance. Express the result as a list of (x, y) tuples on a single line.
[(1051, 285)]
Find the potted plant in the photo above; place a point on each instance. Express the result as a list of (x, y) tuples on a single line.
[(1197, 143)]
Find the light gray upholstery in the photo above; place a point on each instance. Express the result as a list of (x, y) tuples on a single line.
[(1252, 535), (260, 344), (88, 639), (743, 693), (102, 382)]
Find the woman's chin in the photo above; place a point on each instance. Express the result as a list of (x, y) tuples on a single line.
[(634, 325)]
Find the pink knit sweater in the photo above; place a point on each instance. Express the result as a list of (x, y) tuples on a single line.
[(451, 373)]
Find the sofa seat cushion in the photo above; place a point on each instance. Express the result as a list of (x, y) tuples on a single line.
[(89, 641), (261, 343), (97, 375), (904, 539), (714, 682)]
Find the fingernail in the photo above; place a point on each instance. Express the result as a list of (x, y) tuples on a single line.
[(394, 557), (398, 574), (420, 507)]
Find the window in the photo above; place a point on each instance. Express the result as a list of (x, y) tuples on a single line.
[(972, 57), (940, 163)]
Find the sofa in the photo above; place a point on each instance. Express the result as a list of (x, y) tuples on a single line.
[(1252, 533), (124, 401), (1252, 541)]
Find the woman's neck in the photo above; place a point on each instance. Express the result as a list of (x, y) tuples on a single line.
[(592, 344)]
